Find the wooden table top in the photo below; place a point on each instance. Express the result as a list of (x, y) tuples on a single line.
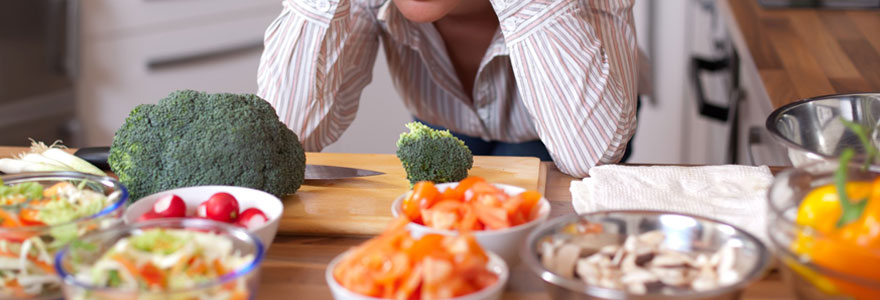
[(294, 265), (802, 53)]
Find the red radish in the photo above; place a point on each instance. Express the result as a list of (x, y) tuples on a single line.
[(221, 207), (148, 216), (170, 206), (252, 218)]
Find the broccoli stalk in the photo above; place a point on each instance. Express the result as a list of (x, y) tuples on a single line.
[(192, 138), (433, 155)]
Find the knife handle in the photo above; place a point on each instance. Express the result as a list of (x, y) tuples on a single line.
[(95, 155)]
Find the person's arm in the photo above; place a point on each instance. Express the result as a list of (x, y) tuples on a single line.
[(575, 67), (318, 57)]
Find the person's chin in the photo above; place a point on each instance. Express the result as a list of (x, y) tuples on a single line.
[(424, 11)]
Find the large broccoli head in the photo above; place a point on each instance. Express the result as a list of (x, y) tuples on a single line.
[(433, 155), (192, 138)]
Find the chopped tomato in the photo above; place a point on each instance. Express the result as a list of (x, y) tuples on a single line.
[(466, 184), (530, 201), (473, 204), (423, 195), (482, 187), (492, 216), (468, 219)]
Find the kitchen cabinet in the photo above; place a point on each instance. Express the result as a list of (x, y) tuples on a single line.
[(138, 51), (792, 54), (730, 99), (135, 52)]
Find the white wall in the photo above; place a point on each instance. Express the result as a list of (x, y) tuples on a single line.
[(659, 136)]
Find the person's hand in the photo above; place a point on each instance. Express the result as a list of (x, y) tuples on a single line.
[(423, 11)]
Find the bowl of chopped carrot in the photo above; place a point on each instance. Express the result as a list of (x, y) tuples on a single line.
[(500, 216), (398, 265)]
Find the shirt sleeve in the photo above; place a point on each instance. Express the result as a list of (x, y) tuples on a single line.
[(575, 66), (318, 56)]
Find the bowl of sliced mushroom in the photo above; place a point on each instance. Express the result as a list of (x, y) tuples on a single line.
[(644, 255)]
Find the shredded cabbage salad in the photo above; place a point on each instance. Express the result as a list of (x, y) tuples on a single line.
[(163, 260), (26, 246)]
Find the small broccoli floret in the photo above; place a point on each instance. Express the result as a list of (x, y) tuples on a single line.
[(192, 138), (433, 155)]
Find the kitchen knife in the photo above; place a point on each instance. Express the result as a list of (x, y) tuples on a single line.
[(98, 157)]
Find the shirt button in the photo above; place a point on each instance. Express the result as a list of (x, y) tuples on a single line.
[(323, 5), (509, 25)]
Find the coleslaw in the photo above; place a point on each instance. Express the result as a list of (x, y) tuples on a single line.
[(35, 222), (160, 261)]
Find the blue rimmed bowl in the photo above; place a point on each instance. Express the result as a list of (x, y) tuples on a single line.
[(34, 276), (71, 262)]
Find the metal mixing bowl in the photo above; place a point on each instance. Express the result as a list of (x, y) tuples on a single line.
[(811, 128), (685, 233)]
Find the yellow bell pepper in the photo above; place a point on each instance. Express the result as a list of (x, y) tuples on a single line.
[(852, 249)]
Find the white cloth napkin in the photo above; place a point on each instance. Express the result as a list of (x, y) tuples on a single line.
[(730, 193)]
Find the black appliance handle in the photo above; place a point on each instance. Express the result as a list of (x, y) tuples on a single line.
[(698, 66)]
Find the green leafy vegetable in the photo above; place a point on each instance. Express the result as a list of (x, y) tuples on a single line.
[(861, 132), (851, 211)]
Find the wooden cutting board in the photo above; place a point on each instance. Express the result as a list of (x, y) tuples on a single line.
[(362, 206)]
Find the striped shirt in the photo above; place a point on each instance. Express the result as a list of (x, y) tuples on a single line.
[(562, 71)]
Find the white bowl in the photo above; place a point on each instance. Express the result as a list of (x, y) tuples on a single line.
[(493, 292), (193, 196), (504, 242)]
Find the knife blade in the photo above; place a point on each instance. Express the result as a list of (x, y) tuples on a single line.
[(321, 172), (98, 157)]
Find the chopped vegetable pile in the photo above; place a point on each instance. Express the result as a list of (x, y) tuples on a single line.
[(25, 258), (394, 265), (159, 259), (473, 204)]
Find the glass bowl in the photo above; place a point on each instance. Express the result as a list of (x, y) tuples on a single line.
[(245, 279), (808, 279), (684, 233), (34, 277)]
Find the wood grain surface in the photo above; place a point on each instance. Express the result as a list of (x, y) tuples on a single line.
[(363, 205), (803, 53)]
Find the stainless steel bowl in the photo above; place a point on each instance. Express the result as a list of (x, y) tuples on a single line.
[(811, 129), (684, 233)]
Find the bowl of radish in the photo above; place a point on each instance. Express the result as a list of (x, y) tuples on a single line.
[(255, 210)]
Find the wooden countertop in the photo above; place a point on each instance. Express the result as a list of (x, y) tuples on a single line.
[(294, 266), (802, 53)]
